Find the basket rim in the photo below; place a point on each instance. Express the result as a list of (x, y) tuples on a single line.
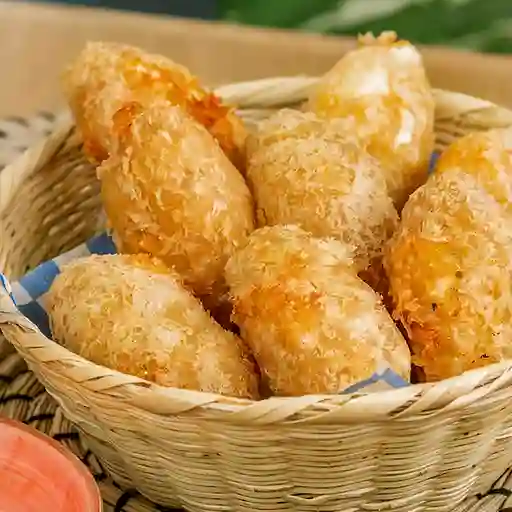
[(450, 394), (429, 398)]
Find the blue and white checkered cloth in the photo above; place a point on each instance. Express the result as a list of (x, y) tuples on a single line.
[(27, 294)]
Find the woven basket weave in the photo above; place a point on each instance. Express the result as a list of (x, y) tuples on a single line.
[(420, 448)]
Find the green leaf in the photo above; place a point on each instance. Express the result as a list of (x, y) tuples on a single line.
[(470, 23), (283, 14)]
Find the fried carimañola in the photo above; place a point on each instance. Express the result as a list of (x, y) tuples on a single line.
[(106, 76), (316, 174), (168, 190), (450, 262), (383, 88), (132, 314), (312, 324)]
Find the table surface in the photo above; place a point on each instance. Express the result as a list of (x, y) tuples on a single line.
[(37, 41)]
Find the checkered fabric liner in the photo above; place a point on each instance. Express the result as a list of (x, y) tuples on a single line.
[(28, 295)]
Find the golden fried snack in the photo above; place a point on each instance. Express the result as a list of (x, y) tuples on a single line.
[(313, 173), (132, 314), (106, 76), (382, 87), (168, 190), (450, 262), (312, 324)]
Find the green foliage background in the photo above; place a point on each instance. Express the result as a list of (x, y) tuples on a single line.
[(484, 25)]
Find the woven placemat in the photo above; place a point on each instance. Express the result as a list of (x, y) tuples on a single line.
[(23, 398), (17, 134)]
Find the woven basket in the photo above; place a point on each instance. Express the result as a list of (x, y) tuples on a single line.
[(420, 448)]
